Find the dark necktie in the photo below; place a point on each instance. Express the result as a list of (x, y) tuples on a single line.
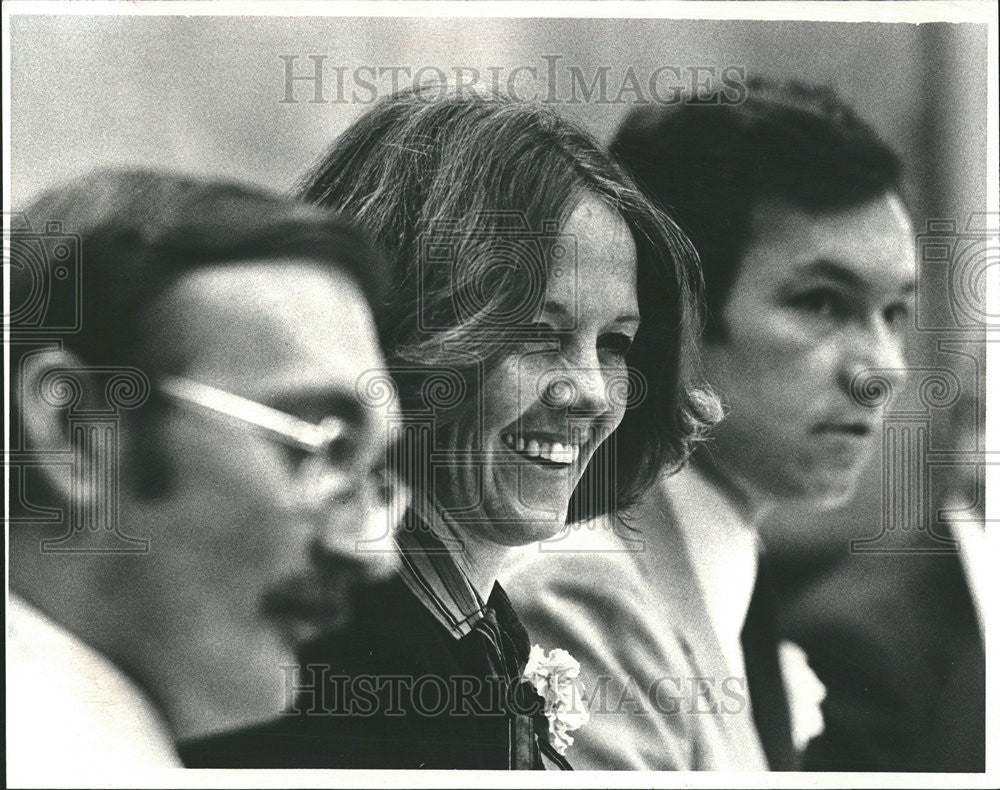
[(768, 696)]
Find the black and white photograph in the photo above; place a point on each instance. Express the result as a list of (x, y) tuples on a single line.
[(406, 393)]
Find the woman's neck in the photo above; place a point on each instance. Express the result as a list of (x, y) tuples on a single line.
[(479, 558)]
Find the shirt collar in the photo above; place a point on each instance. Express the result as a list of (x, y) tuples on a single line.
[(430, 572)]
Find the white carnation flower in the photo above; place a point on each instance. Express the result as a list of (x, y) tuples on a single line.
[(555, 676)]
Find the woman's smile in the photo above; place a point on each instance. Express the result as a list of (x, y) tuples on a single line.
[(548, 451), (546, 411)]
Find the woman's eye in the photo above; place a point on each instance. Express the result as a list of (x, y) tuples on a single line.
[(617, 343)]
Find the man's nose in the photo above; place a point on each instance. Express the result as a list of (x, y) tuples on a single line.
[(356, 525), (877, 356), (352, 557)]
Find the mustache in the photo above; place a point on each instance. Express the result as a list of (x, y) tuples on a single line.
[(325, 596)]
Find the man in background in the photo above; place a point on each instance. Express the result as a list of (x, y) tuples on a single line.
[(896, 634), (795, 206), (199, 483)]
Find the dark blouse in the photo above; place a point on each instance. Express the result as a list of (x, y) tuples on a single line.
[(402, 689)]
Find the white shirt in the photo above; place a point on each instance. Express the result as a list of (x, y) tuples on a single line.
[(975, 554), (70, 711)]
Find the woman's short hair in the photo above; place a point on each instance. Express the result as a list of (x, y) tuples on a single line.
[(461, 189)]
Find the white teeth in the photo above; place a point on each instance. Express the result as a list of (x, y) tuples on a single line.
[(555, 452), (564, 455)]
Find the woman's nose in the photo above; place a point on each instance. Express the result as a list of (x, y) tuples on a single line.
[(579, 388)]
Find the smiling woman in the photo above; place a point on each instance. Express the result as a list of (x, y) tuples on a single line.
[(538, 331), (550, 401), (518, 245)]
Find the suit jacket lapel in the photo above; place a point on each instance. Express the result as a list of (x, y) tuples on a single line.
[(674, 576)]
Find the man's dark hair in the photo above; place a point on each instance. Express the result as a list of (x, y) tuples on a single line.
[(709, 165), (139, 231)]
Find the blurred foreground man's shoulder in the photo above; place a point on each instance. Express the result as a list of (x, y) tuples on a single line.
[(59, 686)]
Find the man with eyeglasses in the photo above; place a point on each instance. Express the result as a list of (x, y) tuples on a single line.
[(197, 471)]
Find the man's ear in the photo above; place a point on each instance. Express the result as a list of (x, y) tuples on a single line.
[(53, 382)]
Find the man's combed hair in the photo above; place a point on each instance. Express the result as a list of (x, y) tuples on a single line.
[(479, 170), (708, 164), (139, 231)]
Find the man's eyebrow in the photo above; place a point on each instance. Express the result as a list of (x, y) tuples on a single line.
[(838, 271), (832, 269)]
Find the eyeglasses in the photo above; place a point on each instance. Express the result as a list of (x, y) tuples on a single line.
[(286, 429), (319, 441), (326, 477)]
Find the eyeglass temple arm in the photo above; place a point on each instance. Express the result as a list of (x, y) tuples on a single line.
[(299, 433)]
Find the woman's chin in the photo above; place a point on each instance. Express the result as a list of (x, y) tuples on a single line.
[(524, 525)]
